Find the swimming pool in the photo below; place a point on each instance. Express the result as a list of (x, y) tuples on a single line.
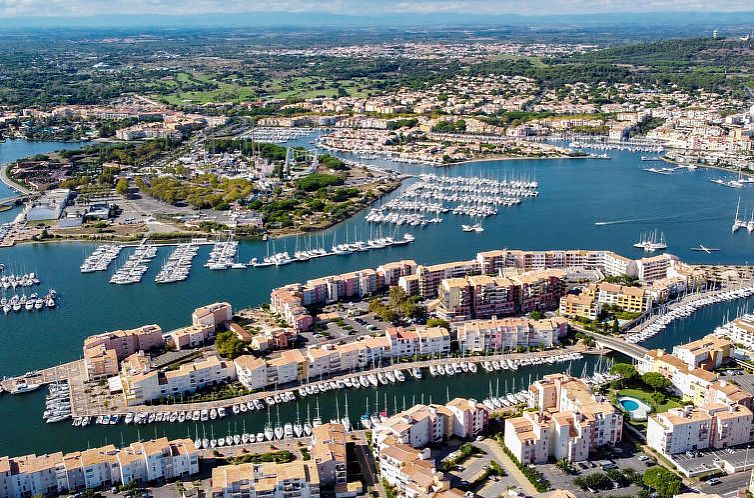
[(629, 404), (637, 409)]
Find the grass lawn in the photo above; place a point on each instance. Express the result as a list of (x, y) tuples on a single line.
[(646, 397)]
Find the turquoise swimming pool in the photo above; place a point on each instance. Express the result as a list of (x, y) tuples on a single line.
[(637, 409), (629, 404)]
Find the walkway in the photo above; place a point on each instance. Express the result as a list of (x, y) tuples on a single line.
[(491, 446), (95, 404), (7, 180)]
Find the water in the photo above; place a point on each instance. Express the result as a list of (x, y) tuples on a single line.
[(574, 195), (61, 436), (12, 150)]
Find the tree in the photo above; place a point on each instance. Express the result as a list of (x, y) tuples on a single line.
[(665, 482), (598, 480), (122, 186), (229, 345), (438, 322), (616, 328), (625, 370), (655, 380), (536, 315)]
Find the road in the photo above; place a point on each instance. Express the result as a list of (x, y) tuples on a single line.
[(6, 180)]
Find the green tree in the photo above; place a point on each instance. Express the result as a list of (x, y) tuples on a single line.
[(122, 186), (616, 328), (655, 380), (438, 322), (665, 482), (625, 370), (229, 345), (536, 315)]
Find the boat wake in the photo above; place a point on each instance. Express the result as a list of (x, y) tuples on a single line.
[(618, 222), (667, 219)]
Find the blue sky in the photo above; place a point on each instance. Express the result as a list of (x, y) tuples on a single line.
[(23, 8)]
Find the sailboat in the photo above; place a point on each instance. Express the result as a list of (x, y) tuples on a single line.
[(365, 420), (298, 429), (307, 424), (346, 421)]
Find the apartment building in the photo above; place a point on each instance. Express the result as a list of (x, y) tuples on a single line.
[(696, 384), (538, 290), (631, 299), (328, 453), (56, 473), (707, 353), (412, 472), (456, 300), (431, 276), (391, 273), (251, 372), (656, 267), (569, 423), (405, 343), (140, 386), (713, 425), (470, 418), (580, 305), (213, 315), (297, 479), (102, 352), (421, 425), (740, 331), (500, 334), (192, 336)]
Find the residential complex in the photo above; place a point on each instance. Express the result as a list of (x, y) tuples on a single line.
[(569, 422), (58, 473), (274, 480), (141, 383), (505, 334), (103, 352), (495, 283), (400, 445), (714, 425)]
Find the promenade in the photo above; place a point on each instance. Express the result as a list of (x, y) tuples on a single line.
[(94, 403)]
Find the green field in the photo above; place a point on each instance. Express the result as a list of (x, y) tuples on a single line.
[(172, 90)]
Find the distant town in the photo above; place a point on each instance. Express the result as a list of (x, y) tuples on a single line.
[(516, 373)]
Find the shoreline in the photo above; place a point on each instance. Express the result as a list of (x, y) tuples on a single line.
[(508, 158)]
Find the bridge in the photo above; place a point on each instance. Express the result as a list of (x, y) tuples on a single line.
[(11, 199), (635, 351)]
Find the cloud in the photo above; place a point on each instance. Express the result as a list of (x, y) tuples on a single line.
[(17, 8)]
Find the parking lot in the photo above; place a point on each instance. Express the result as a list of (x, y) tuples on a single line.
[(356, 322), (624, 456), (701, 462), (472, 467)]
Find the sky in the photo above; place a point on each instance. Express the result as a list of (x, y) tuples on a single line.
[(76, 8)]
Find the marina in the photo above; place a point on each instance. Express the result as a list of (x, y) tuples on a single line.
[(684, 307), (178, 265), (136, 266), (100, 258), (575, 200), (425, 200), (223, 256)]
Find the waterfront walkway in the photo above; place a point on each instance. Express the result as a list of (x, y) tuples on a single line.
[(7, 180), (94, 404), (64, 372)]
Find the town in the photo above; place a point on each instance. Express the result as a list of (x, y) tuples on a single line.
[(504, 310)]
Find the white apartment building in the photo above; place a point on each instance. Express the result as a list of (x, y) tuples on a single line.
[(713, 425)]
